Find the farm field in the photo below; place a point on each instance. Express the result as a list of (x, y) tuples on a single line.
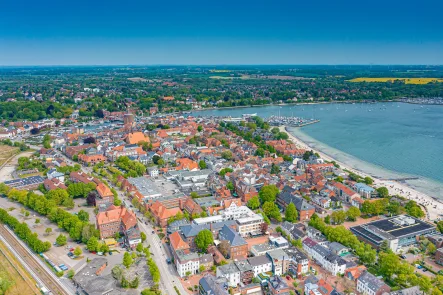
[(14, 273), (416, 81), (6, 152)]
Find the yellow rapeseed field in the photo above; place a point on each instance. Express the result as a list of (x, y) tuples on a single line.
[(407, 80)]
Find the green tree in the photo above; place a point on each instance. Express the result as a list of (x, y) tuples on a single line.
[(275, 169), (253, 203), (260, 152), (202, 164), (61, 240), (291, 213), (353, 213), (139, 247), (127, 260), (83, 215), (199, 128), (268, 193), (230, 186), (203, 239), (338, 217), (92, 244), (383, 192), (143, 236), (227, 155), (368, 180), (78, 251), (271, 210), (48, 231)]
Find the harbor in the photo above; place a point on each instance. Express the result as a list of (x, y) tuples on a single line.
[(290, 121)]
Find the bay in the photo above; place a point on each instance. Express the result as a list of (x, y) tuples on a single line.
[(387, 140)]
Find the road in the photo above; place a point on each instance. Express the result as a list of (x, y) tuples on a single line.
[(35, 266), (168, 274)]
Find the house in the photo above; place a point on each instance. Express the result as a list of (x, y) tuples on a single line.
[(365, 190), (118, 220), (304, 209), (238, 246), (260, 264), (210, 285), (161, 213), (368, 284), (187, 263), (296, 262), (104, 195), (91, 159), (54, 174), (52, 184), (315, 286), (353, 273), (136, 137), (230, 272), (277, 285), (246, 271), (293, 230), (325, 257)]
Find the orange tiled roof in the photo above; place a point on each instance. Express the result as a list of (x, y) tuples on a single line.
[(136, 137), (103, 190), (177, 242)]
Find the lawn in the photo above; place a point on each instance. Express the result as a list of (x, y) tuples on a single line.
[(19, 286), (416, 81), (6, 152)]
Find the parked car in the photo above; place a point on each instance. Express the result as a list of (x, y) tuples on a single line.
[(403, 256)]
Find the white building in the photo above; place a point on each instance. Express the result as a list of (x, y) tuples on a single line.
[(187, 264), (230, 272), (260, 264)]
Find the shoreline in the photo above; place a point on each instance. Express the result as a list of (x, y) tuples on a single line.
[(394, 187), (290, 104)]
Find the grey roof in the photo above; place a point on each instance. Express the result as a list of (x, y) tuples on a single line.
[(278, 283), (232, 236), (243, 265), (206, 258), (228, 268), (296, 254), (94, 284), (286, 195), (408, 291), (371, 281), (193, 229), (259, 260), (210, 285), (25, 181), (144, 185), (336, 247)]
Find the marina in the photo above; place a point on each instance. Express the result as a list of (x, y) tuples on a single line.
[(290, 121)]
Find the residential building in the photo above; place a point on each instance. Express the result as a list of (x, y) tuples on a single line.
[(230, 272), (260, 264), (368, 284), (238, 246)]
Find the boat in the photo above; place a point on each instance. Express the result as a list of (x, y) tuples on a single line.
[(249, 115)]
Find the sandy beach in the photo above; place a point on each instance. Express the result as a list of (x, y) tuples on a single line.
[(433, 207)]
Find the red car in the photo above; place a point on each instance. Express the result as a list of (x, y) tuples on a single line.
[(72, 249)]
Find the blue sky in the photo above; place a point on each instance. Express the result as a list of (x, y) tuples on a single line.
[(96, 32)]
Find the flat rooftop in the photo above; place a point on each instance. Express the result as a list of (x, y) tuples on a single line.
[(394, 227)]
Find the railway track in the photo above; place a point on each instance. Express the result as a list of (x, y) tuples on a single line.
[(48, 280)]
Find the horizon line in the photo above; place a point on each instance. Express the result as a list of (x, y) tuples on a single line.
[(210, 65)]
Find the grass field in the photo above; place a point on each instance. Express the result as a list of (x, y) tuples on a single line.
[(19, 286), (6, 152), (416, 81)]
